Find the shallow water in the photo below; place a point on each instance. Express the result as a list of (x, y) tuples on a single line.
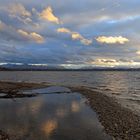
[(48, 90), (122, 84), (50, 116)]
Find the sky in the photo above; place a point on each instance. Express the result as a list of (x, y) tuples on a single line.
[(70, 33)]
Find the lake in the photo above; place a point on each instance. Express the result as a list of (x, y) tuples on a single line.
[(124, 85), (50, 116)]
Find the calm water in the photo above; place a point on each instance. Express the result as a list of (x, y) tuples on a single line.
[(109, 80), (50, 116), (125, 85)]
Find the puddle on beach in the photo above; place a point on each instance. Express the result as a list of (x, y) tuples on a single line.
[(50, 117), (48, 90)]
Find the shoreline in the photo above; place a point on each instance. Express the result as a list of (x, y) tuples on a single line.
[(14, 89), (119, 122)]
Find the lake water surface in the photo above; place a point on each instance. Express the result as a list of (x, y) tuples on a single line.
[(124, 85), (50, 116)]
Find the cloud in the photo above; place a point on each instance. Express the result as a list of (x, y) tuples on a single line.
[(9, 33), (18, 9), (110, 62), (31, 36), (104, 62), (63, 30), (47, 14), (112, 40), (138, 52), (75, 36), (2, 25)]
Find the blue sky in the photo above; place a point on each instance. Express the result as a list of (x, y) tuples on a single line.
[(70, 33)]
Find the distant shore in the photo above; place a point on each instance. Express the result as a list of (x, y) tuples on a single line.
[(119, 122), (53, 69)]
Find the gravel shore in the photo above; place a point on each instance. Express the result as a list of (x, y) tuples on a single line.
[(119, 122)]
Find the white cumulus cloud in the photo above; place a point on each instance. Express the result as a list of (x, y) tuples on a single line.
[(112, 40)]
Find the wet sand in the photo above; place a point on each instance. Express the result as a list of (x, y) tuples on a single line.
[(14, 90), (119, 122), (9, 86)]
